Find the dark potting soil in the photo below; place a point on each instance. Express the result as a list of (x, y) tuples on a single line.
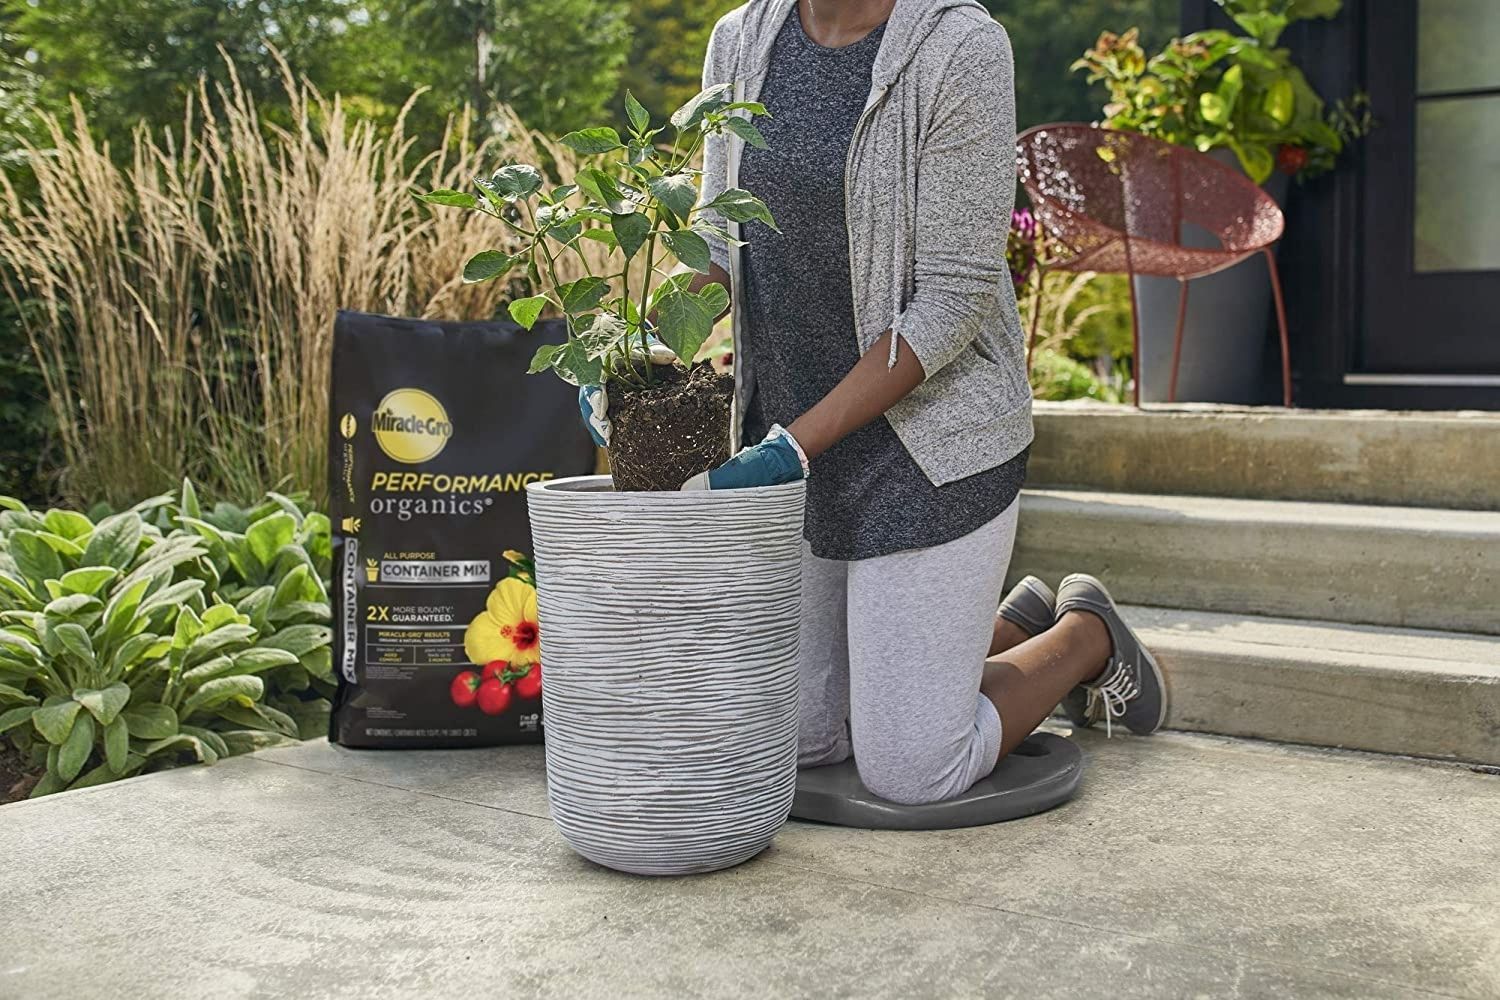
[(17, 777), (669, 432)]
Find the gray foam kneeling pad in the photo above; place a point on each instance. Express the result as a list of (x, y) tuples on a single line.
[(1042, 772)]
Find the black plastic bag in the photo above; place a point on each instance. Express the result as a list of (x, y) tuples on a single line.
[(435, 430)]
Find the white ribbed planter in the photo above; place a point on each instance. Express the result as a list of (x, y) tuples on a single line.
[(669, 648)]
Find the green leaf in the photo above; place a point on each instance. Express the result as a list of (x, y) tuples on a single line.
[(71, 606), (89, 580), (1280, 102), (640, 118), (739, 205), (543, 358), (114, 541), (210, 643), (450, 198), (487, 265), (150, 722), (20, 646), (630, 231), (266, 536), (590, 141), (686, 320), (36, 560), (116, 745), (13, 717), (319, 663), (68, 524), (253, 661), (75, 639), (188, 499), (1256, 159), (678, 192), (11, 693), (602, 188), (582, 295), (138, 649), (1213, 108), (179, 742), (207, 670), (242, 690), (62, 546), (525, 311), (574, 364), (746, 130), (220, 615), (753, 107), (104, 705), (76, 748), (210, 739), (691, 113), (513, 181), (689, 247), (249, 740), (299, 639)]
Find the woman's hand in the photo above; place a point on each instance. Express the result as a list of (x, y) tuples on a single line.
[(776, 460)]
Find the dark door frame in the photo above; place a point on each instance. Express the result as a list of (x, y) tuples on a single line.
[(1321, 257)]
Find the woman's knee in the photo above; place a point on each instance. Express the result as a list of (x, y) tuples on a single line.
[(912, 778)]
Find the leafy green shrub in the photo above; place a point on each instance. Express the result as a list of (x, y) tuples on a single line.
[(163, 634), (1054, 375)]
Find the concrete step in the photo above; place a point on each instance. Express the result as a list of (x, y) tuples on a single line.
[(1392, 566), (1449, 460), (1404, 691)]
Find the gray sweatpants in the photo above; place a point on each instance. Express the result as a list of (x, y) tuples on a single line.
[(892, 652)]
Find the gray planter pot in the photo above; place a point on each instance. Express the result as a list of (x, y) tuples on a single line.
[(669, 650), (1225, 337)]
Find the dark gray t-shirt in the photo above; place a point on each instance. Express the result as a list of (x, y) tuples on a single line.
[(866, 495)]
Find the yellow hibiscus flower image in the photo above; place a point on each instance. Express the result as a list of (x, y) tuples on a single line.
[(506, 629)]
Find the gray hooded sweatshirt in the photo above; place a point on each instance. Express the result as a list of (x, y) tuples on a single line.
[(929, 187)]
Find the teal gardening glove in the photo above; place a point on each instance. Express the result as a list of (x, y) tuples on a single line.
[(776, 460)]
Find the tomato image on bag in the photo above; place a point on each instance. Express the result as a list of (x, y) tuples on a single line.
[(435, 430)]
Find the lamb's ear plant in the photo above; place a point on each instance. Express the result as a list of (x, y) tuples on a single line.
[(125, 647), (639, 199)]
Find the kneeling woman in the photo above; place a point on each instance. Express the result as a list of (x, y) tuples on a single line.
[(879, 352)]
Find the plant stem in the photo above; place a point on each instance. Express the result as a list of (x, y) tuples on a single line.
[(645, 293)]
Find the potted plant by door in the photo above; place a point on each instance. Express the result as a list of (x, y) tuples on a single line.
[(1238, 98), (668, 618)]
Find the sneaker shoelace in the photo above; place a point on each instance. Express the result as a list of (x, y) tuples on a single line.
[(1114, 694)]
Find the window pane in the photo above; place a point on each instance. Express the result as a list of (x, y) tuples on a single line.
[(1458, 174), (1456, 45)]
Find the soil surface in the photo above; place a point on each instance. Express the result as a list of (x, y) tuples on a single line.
[(670, 432), (17, 779)]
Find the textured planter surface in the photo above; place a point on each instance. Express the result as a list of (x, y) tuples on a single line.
[(669, 643)]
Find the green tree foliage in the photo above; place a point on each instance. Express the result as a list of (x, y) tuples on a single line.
[(557, 62), (669, 37), (133, 60), (1048, 35)]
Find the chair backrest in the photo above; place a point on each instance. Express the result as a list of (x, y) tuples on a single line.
[(1091, 186)]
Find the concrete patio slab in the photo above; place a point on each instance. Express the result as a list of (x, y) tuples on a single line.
[(1187, 866)]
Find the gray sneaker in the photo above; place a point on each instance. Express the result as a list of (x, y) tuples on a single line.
[(1031, 605), (1131, 689)]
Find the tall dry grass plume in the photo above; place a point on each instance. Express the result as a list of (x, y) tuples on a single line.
[(181, 303)]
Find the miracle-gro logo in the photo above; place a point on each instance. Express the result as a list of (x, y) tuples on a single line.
[(411, 426)]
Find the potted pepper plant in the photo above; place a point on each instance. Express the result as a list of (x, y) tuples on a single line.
[(1239, 97), (668, 618)]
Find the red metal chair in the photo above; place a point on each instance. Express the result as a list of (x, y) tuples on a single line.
[(1115, 202)]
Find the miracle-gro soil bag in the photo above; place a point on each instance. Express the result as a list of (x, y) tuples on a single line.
[(435, 431)]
